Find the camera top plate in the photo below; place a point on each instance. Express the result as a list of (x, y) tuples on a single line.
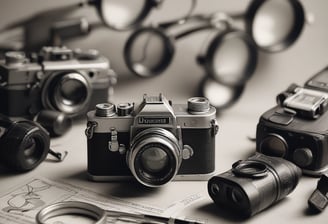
[(307, 102)]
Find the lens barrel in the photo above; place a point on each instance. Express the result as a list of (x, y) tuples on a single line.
[(155, 157), (24, 145), (254, 184)]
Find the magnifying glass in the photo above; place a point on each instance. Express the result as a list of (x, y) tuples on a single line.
[(124, 14), (220, 96), (150, 50), (83, 213), (115, 14), (71, 212), (274, 25)]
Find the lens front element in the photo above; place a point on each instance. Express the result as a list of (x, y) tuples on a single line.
[(68, 92), (154, 160), (274, 145)]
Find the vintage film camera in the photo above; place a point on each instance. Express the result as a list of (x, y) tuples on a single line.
[(296, 129), (156, 142), (254, 184), (56, 79)]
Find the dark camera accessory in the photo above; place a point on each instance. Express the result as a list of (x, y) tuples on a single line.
[(296, 129), (318, 200), (24, 144), (303, 141), (254, 184), (220, 96), (56, 123)]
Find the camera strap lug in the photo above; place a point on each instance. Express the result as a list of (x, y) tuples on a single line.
[(215, 127), (90, 129), (113, 144), (59, 156)]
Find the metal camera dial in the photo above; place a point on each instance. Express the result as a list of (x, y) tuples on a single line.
[(124, 109), (198, 105), (105, 109), (15, 58)]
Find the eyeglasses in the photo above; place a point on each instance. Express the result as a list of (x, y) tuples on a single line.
[(231, 56), (124, 14), (115, 14)]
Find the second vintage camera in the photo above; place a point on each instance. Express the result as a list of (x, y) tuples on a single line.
[(296, 129), (155, 142), (56, 79)]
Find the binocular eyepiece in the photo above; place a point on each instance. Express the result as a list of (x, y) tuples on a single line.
[(254, 184)]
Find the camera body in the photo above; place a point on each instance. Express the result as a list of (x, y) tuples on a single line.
[(296, 129), (254, 184), (151, 141), (56, 79)]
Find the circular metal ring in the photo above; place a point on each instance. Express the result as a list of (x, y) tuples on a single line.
[(251, 169), (71, 207), (219, 95), (139, 68), (144, 12), (289, 38), (232, 67)]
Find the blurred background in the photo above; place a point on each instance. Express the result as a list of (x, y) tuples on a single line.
[(181, 80), (274, 72)]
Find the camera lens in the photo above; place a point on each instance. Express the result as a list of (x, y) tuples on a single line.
[(155, 157), (24, 146), (154, 160), (274, 145), (30, 147), (72, 91), (69, 93)]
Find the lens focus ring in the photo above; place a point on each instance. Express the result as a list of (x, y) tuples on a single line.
[(155, 157)]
